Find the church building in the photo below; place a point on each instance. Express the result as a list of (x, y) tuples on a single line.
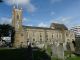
[(39, 36)]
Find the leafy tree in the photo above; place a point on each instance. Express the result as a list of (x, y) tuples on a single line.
[(7, 30), (1, 1)]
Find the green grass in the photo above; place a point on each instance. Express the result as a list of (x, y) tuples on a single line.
[(71, 58), (74, 58), (66, 53), (54, 58), (23, 54), (49, 51), (13, 54)]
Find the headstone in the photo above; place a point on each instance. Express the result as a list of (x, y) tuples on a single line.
[(54, 50), (68, 46), (60, 51), (72, 47)]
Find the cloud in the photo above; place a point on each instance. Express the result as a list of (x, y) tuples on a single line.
[(55, 22), (5, 20), (24, 3), (20, 2), (42, 25), (31, 8), (66, 19), (25, 20), (63, 20), (52, 13), (54, 1), (29, 25)]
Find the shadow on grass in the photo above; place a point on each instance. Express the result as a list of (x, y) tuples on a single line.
[(24, 54)]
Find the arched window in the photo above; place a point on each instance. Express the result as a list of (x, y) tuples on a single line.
[(33, 39), (67, 34), (40, 35), (52, 35), (40, 40), (74, 43), (28, 39), (21, 34), (68, 46)]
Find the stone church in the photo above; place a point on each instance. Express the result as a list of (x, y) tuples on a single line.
[(39, 36)]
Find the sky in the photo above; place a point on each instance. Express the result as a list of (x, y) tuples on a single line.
[(43, 12)]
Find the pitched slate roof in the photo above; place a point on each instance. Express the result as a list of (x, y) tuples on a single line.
[(55, 25), (33, 27), (59, 26)]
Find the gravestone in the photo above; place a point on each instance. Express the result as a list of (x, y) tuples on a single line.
[(58, 50), (72, 47), (54, 49), (68, 46)]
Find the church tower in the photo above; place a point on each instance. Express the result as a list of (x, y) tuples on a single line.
[(17, 24), (17, 18)]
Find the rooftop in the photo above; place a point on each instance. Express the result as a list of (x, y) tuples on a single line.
[(59, 26), (33, 27)]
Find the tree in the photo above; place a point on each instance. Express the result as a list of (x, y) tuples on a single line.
[(7, 30), (1, 1)]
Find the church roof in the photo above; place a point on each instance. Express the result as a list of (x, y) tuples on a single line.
[(33, 27), (56, 26), (59, 26)]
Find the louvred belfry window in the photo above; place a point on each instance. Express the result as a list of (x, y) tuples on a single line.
[(17, 16)]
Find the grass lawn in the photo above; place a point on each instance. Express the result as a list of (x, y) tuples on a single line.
[(66, 53), (49, 51), (13, 54), (74, 58), (26, 54), (23, 54)]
